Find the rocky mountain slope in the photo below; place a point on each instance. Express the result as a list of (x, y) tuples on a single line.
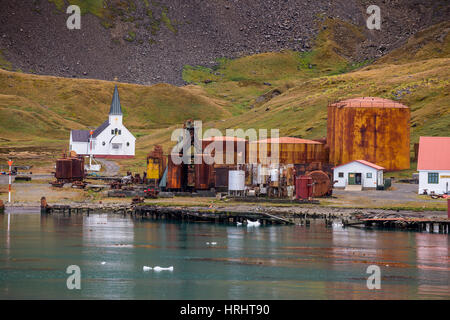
[(148, 42)]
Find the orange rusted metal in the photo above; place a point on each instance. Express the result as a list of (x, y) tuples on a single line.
[(174, 175), (228, 144), (372, 129), (293, 150)]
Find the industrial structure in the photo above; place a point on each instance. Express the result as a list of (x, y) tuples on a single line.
[(373, 129), (365, 137)]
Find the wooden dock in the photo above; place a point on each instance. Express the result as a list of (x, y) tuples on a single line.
[(172, 213), (417, 224), (235, 215)]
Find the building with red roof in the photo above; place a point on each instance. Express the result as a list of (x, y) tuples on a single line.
[(357, 175), (434, 165)]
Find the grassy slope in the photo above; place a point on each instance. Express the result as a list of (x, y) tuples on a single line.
[(72, 103), (236, 96)]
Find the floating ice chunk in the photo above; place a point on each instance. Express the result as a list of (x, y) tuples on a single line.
[(239, 223), (103, 262), (213, 243), (145, 268), (157, 268), (253, 223)]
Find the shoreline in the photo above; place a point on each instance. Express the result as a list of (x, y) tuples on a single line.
[(272, 208)]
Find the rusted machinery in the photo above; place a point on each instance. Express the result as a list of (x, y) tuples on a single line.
[(156, 164), (322, 185), (371, 129), (69, 170)]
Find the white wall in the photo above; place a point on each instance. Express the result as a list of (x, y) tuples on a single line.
[(357, 167), (439, 188), (121, 139), (79, 147)]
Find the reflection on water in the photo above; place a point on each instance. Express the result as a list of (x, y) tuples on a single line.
[(275, 262)]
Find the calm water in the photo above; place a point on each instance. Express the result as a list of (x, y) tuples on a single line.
[(274, 262)]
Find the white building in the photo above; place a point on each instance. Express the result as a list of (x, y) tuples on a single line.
[(434, 165), (358, 173), (111, 140)]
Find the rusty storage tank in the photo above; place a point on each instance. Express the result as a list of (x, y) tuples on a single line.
[(303, 187), (204, 175), (293, 150), (174, 175), (372, 129), (321, 183), (237, 146)]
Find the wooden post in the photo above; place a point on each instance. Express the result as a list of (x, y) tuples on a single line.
[(44, 205)]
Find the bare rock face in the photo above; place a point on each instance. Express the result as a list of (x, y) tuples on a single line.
[(147, 42)]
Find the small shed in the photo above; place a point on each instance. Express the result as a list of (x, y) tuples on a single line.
[(358, 173)]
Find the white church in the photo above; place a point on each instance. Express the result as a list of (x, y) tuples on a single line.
[(111, 140)]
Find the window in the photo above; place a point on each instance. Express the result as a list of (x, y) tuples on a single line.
[(433, 177), (103, 143), (369, 175), (112, 131), (128, 144), (120, 132), (341, 174)]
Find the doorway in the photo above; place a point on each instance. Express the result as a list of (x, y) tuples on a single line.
[(354, 178)]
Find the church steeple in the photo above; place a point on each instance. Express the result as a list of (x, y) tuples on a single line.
[(115, 109)]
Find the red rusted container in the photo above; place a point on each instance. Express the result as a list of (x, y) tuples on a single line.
[(63, 169), (77, 169), (303, 187)]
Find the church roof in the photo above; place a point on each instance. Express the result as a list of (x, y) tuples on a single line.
[(116, 108), (100, 129), (80, 135), (84, 135)]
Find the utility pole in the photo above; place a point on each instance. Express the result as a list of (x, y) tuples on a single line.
[(10, 163)]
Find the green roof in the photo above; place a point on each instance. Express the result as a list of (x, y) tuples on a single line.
[(116, 109)]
